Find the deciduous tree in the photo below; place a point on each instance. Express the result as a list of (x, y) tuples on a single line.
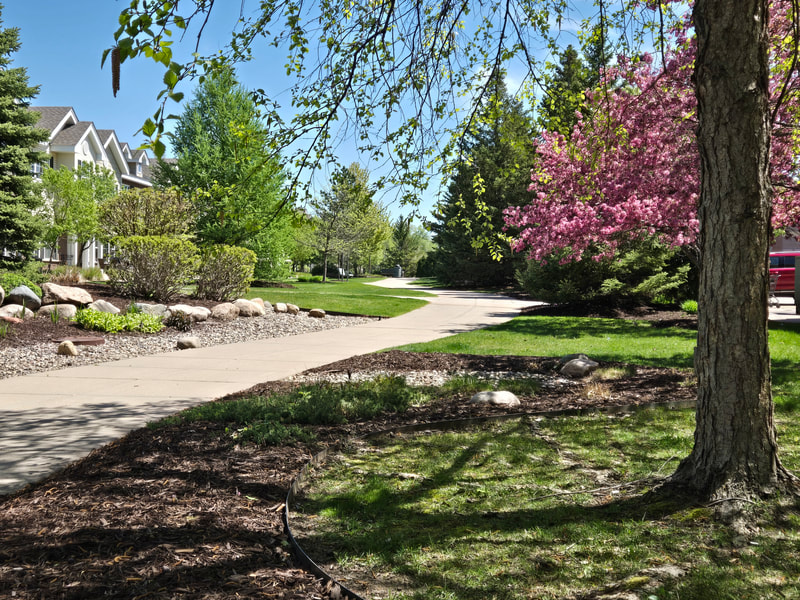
[(74, 199)]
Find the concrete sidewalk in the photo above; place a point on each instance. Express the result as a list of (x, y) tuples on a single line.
[(48, 420)]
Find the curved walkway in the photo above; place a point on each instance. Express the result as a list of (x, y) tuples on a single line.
[(50, 419)]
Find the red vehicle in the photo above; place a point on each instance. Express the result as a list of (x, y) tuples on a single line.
[(782, 265)]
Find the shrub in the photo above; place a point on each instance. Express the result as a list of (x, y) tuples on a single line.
[(95, 320), (309, 278), (9, 280), (145, 212), (152, 267), (225, 272), (644, 271)]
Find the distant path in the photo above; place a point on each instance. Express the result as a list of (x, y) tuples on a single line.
[(53, 418)]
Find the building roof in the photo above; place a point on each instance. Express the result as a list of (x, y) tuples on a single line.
[(52, 116), (71, 135)]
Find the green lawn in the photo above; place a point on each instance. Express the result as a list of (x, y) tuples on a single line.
[(353, 297)]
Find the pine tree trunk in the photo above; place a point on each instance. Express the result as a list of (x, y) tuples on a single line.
[(735, 450)]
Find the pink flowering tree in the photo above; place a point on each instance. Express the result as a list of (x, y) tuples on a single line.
[(630, 169)]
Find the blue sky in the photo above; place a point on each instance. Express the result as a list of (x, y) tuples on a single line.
[(62, 45)]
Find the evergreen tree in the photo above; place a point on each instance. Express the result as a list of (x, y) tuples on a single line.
[(20, 200), (225, 164), (408, 246), (498, 150), (575, 73)]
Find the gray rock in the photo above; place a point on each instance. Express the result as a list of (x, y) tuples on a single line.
[(62, 311), (53, 293), (195, 313), (16, 310), (226, 311), (25, 296), (104, 306), (501, 398), (293, 309), (578, 367), (280, 307), (317, 313), (189, 341), (67, 348), (157, 310), (248, 308)]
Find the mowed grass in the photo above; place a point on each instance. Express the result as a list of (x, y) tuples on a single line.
[(352, 297), (545, 508)]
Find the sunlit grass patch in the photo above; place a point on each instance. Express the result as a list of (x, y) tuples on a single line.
[(545, 508)]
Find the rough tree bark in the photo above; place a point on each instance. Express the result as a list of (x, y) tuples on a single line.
[(735, 448)]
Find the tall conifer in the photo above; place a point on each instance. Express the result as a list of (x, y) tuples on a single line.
[(20, 197)]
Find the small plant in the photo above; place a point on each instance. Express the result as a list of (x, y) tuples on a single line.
[(4, 328), (95, 320), (65, 275), (179, 320), (597, 390), (92, 274), (54, 316), (689, 306)]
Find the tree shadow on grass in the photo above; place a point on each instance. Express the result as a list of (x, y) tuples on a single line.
[(382, 520)]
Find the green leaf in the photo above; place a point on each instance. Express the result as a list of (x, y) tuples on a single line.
[(149, 127)]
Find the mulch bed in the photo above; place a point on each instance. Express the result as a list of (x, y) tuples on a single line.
[(183, 512)]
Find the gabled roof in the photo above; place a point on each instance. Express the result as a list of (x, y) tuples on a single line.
[(72, 135), (108, 137), (54, 118)]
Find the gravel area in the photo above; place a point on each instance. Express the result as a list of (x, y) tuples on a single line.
[(41, 356), (433, 377)]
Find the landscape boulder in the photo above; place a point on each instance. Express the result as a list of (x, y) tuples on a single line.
[(157, 310), (2, 295), (16, 310), (500, 398), (259, 301), (317, 313), (61, 311), (226, 311), (52, 293), (577, 366), (280, 307), (67, 348), (195, 313), (25, 296), (104, 306), (248, 308), (293, 309), (188, 341)]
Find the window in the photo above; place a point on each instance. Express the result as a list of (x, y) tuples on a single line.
[(36, 169)]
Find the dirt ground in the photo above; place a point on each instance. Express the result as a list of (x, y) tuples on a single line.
[(184, 512)]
